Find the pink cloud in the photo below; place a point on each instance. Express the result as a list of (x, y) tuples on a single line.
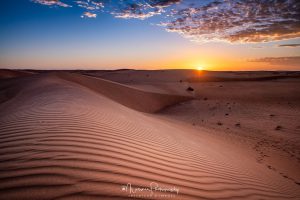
[(52, 3), (88, 15)]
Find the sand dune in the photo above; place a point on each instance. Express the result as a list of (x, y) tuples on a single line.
[(8, 73), (145, 101), (66, 136), (262, 116)]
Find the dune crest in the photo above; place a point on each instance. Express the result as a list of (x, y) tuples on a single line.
[(137, 99)]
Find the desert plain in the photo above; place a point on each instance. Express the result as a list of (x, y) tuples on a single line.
[(149, 134)]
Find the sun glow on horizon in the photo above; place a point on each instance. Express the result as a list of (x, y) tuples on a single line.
[(200, 68)]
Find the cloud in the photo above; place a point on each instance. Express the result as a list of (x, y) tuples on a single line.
[(289, 45), (293, 60), (246, 21), (135, 11), (257, 47), (90, 5), (142, 9), (88, 15), (238, 21), (52, 3)]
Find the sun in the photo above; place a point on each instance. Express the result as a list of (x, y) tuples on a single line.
[(200, 68)]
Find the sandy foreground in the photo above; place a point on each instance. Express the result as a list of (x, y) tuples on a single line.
[(166, 134)]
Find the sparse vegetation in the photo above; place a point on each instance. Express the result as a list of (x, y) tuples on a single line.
[(190, 89)]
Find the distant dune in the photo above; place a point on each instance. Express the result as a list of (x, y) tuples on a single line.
[(7, 73), (72, 136)]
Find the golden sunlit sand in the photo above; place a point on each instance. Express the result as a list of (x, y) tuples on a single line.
[(130, 134)]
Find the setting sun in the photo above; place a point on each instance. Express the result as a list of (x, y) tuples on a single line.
[(200, 68)]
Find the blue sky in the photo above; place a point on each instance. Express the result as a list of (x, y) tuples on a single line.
[(42, 34)]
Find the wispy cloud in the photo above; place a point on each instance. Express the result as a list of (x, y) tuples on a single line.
[(90, 5), (257, 47), (52, 3), (88, 15), (128, 9), (289, 45), (293, 60), (141, 9)]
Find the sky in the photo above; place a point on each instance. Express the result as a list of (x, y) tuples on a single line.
[(150, 34)]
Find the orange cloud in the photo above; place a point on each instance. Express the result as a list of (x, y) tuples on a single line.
[(290, 61)]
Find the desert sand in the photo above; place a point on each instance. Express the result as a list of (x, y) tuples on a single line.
[(93, 134)]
